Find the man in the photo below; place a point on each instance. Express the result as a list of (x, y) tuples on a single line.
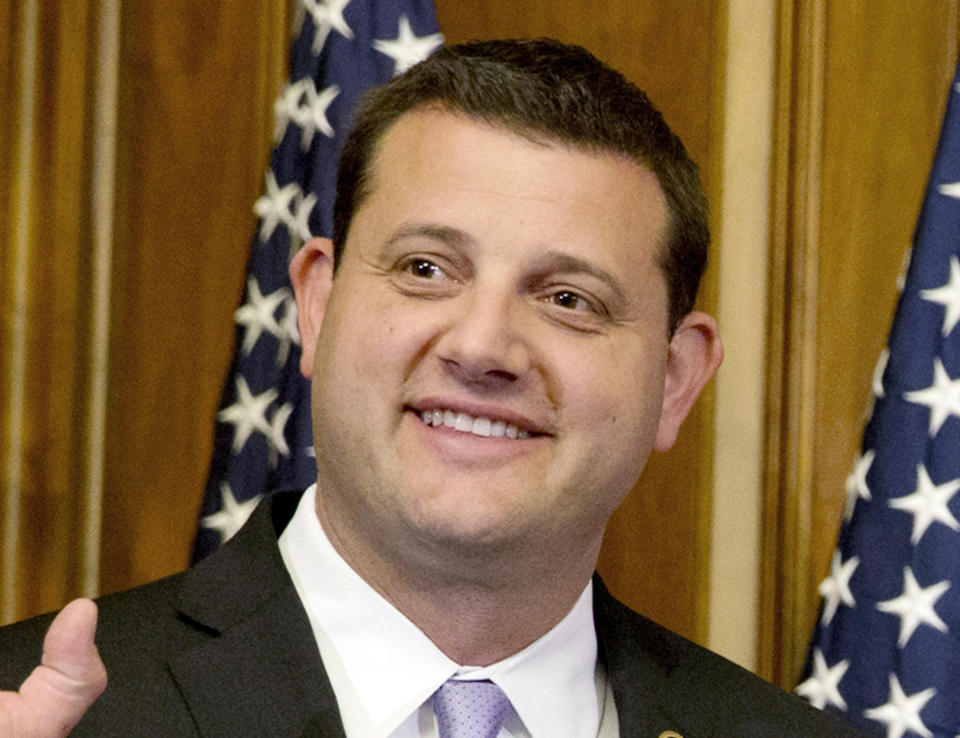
[(498, 334)]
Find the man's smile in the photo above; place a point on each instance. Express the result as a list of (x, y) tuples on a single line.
[(478, 426)]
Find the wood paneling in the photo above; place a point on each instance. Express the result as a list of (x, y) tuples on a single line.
[(10, 56), (50, 442), (9, 111), (656, 552), (197, 85), (861, 92)]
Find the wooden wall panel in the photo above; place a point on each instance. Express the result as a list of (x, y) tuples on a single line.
[(197, 83), (10, 54), (49, 443), (656, 553), (9, 111), (862, 87)]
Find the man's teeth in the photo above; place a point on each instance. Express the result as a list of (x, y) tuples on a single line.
[(468, 424)]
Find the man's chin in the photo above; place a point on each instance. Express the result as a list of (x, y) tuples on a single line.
[(460, 533)]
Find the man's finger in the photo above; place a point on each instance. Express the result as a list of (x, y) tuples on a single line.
[(71, 675), (69, 646)]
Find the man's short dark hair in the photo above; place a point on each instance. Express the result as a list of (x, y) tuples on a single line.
[(547, 91)]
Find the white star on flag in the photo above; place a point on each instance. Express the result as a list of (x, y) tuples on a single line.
[(274, 207), (312, 116), (876, 383), (231, 517), (822, 688), (902, 712), (857, 481), (407, 48), (942, 397), (274, 433), (949, 296), (951, 189), (878, 372), (289, 333), (248, 413), (835, 589), (300, 223), (286, 108), (905, 261), (928, 504), (327, 15), (915, 606), (257, 314)]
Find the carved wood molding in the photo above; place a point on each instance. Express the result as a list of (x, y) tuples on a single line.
[(48, 146), (791, 379)]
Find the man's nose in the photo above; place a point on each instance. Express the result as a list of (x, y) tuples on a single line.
[(484, 344)]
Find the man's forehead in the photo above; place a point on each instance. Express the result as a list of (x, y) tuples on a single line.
[(417, 127)]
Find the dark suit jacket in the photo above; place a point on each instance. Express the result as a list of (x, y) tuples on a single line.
[(226, 649)]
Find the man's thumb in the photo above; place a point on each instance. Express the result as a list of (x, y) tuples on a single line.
[(68, 647), (71, 675)]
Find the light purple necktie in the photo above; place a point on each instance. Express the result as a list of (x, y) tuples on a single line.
[(470, 709)]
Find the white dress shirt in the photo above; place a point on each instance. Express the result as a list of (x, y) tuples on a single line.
[(383, 668)]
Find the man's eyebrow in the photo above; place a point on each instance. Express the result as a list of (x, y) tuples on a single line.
[(558, 261), (445, 234), (547, 263)]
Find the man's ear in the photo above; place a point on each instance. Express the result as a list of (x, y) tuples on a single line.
[(311, 273), (694, 355)]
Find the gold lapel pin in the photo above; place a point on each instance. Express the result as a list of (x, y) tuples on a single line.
[(670, 734)]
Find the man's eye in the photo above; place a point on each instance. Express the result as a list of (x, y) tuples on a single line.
[(424, 269), (569, 300), (421, 277)]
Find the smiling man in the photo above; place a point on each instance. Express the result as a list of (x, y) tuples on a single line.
[(494, 364), (498, 334)]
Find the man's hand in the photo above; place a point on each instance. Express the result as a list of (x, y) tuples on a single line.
[(59, 691)]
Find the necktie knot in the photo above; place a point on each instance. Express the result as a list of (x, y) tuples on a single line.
[(470, 709)]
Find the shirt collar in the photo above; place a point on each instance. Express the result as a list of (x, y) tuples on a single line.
[(382, 667)]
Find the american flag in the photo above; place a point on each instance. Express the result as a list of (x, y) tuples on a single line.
[(887, 647), (263, 438)]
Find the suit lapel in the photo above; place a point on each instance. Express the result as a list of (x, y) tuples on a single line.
[(259, 672), (638, 667)]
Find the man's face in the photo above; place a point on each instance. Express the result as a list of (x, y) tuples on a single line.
[(493, 357)]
